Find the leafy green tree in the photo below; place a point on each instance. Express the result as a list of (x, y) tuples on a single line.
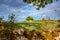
[(29, 18), (12, 23), (11, 17), (39, 3)]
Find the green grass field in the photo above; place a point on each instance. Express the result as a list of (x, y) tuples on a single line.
[(38, 24)]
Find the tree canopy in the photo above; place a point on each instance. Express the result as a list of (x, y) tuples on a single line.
[(11, 17), (39, 3), (29, 18)]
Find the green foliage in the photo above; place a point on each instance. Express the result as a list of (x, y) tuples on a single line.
[(39, 3), (11, 17), (29, 18)]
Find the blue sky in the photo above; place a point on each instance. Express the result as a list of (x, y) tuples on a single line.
[(22, 10)]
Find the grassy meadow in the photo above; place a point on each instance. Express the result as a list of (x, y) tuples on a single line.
[(38, 25)]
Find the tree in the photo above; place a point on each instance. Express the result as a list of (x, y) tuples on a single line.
[(39, 3), (29, 18), (11, 17), (12, 23)]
